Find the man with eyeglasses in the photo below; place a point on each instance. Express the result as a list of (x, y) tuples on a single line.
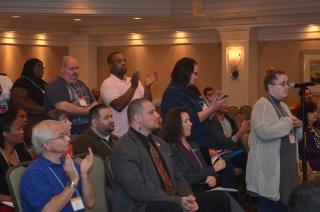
[(54, 182), (272, 170), (118, 90)]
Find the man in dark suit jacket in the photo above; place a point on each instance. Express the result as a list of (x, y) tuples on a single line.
[(145, 176), (98, 137)]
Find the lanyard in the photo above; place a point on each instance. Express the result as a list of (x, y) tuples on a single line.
[(60, 180), (194, 154), (5, 157), (196, 157), (27, 78)]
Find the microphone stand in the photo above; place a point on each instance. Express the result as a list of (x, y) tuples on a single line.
[(304, 140)]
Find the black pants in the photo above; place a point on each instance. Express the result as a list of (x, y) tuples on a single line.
[(163, 206), (213, 201)]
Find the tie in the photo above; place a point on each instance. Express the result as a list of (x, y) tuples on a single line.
[(161, 169)]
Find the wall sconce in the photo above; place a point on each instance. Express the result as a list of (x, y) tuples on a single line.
[(234, 60)]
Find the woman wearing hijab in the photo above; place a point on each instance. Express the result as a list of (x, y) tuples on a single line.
[(28, 91)]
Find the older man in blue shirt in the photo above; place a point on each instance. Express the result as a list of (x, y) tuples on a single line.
[(54, 182)]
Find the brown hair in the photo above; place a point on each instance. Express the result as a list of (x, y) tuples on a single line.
[(271, 76)]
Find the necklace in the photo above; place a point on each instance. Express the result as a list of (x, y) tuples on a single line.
[(5, 157), (37, 86), (316, 136)]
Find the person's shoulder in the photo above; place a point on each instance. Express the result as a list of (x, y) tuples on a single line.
[(34, 168), (261, 101), (193, 145), (20, 82), (109, 80), (57, 81), (160, 142), (125, 139), (125, 145), (83, 84), (23, 154), (83, 137), (5, 79), (114, 137)]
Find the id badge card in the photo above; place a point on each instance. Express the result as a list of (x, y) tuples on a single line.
[(77, 203), (83, 102), (292, 138)]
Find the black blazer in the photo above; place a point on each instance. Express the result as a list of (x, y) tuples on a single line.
[(194, 174), (136, 179)]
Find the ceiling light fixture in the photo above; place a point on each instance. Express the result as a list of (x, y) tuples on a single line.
[(15, 16), (77, 19), (137, 18)]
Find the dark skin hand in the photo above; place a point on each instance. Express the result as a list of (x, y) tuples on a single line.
[(121, 102)]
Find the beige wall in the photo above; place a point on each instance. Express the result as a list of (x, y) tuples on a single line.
[(162, 58), (283, 55), (13, 58), (280, 54)]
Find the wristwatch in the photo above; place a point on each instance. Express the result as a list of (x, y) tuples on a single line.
[(72, 184)]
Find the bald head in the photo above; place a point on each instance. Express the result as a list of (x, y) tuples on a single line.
[(70, 69)]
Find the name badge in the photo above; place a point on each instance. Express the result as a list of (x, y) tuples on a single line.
[(77, 203), (83, 102), (292, 138)]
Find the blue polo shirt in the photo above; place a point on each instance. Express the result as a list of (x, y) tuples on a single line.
[(39, 184), (176, 95)]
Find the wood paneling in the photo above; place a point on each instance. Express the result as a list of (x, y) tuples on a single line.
[(162, 58), (13, 58)]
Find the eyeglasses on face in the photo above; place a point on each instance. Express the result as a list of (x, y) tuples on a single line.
[(61, 136), (283, 83)]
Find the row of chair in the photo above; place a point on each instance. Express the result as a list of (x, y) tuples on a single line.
[(239, 114)]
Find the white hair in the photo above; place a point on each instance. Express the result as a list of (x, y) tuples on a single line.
[(44, 131)]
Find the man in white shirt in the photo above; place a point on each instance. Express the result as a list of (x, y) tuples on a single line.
[(118, 90)]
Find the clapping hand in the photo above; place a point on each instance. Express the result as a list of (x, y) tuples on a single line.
[(151, 78), (217, 100), (70, 169), (135, 79), (87, 162), (296, 122), (244, 126)]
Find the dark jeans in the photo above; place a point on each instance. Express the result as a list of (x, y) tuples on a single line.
[(267, 205)]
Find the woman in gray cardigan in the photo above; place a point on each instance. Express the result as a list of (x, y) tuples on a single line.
[(272, 170)]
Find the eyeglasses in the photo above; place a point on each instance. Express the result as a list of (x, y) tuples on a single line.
[(39, 66), (282, 84), (61, 136)]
